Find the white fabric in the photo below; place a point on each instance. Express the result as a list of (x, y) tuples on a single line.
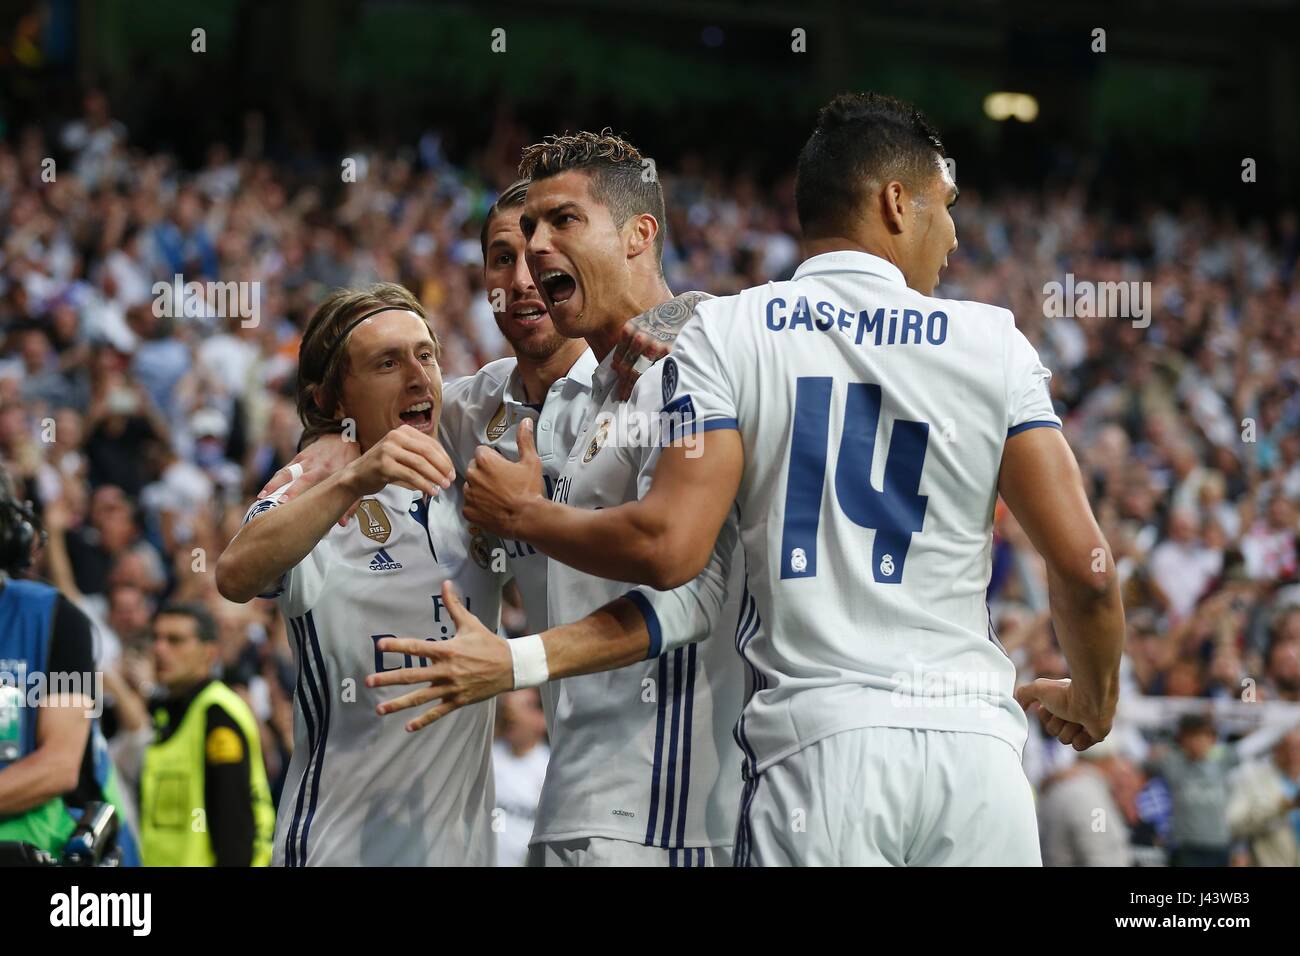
[(891, 796)]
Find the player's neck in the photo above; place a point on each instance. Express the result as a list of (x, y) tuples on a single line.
[(824, 244), (642, 296), (538, 377)]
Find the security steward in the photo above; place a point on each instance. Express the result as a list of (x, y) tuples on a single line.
[(204, 796)]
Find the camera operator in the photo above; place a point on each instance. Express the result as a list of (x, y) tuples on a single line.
[(53, 760)]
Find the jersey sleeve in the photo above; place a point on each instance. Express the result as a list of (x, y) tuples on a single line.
[(688, 613), (696, 382), (1029, 399), (299, 588)]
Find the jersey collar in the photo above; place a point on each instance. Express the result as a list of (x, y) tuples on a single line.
[(579, 374), (847, 260)]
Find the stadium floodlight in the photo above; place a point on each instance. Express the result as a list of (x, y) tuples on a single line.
[(1004, 106)]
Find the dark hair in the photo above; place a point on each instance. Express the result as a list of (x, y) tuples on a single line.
[(203, 622), (511, 197), (617, 170), (20, 529), (1194, 724), (860, 139), (323, 353)]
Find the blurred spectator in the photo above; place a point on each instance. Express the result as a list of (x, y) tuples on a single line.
[(1196, 772), (1080, 822), (1265, 804), (519, 758)]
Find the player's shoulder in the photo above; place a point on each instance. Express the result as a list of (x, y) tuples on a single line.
[(491, 379), (983, 315)]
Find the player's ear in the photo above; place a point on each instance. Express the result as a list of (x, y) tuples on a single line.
[(641, 231), (894, 200)]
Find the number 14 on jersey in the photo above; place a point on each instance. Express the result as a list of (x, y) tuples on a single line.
[(895, 513)]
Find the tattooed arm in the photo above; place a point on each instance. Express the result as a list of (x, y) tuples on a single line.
[(650, 336)]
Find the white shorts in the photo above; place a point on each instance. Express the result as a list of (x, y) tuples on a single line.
[(891, 796), (605, 851)]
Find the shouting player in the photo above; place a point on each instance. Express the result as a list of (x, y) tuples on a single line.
[(359, 791), (643, 770), (864, 429)]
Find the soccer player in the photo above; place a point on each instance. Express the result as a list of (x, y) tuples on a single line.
[(549, 384), (643, 770), (359, 791), (864, 429)]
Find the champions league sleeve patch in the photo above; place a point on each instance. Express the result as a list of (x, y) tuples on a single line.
[(266, 504), (669, 379)]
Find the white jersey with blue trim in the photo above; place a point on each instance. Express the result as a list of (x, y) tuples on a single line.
[(873, 420), (361, 790), (643, 753), (486, 409)]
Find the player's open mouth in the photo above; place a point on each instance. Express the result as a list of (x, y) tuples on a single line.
[(529, 312), (419, 415), (558, 285)]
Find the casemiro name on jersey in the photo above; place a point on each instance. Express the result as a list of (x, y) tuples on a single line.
[(889, 327)]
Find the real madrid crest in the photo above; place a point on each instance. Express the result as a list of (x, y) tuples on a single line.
[(499, 423), (479, 548), (372, 520), (597, 441)]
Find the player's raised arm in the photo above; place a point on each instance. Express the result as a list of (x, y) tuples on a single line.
[(663, 540), (280, 536), (1040, 482)]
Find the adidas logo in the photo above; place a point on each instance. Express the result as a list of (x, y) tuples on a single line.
[(383, 561)]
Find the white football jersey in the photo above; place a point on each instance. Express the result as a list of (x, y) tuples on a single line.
[(643, 753), (486, 409), (361, 790), (873, 420)]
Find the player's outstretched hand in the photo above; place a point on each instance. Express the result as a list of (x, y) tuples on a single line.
[(325, 456), (406, 457), (1062, 714), (649, 336), (498, 490), (472, 666)]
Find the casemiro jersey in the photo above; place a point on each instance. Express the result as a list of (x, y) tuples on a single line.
[(486, 409), (873, 420), (361, 791), (643, 753)]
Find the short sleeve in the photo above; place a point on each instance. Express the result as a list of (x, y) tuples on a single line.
[(696, 383), (300, 587), (690, 612), (1029, 398)]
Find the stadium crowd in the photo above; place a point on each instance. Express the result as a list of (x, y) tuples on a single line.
[(141, 421)]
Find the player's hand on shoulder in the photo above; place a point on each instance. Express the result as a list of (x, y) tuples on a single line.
[(1063, 714), (648, 337), (472, 666), (405, 457), (498, 490), (325, 456)]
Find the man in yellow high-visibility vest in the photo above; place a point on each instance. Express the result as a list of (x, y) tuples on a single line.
[(204, 796)]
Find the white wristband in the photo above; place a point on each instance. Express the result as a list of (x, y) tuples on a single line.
[(529, 657)]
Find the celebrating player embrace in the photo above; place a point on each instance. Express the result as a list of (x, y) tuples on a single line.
[(864, 429)]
